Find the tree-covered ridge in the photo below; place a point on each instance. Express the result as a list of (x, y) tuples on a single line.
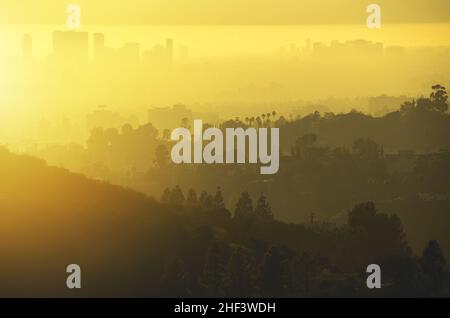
[(191, 244)]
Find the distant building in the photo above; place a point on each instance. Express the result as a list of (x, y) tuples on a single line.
[(169, 118), (104, 118), (348, 49), (169, 50), (160, 57), (99, 47), (27, 48), (307, 50), (129, 54), (183, 52), (179, 115), (103, 55), (71, 46)]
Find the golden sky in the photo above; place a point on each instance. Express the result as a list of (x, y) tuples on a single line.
[(200, 12)]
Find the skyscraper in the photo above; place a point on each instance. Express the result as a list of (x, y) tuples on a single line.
[(129, 54), (27, 48), (71, 46), (183, 52), (169, 49), (99, 47)]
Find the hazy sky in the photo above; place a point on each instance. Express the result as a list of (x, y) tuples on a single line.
[(223, 11)]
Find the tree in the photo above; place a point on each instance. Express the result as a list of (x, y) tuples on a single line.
[(281, 121), (423, 103), (185, 122), (276, 274), (439, 98), (166, 134), (303, 145), (218, 199), (438, 101), (162, 156), (127, 129), (258, 121), (433, 265), (215, 270), (263, 209), (165, 198), (174, 279), (374, 236), (177, 196), (244, 206), (192, 197), (203, 198), (220, 214), (307, 140), (241, 274), (367, 149), (268, 119), (408, 106)]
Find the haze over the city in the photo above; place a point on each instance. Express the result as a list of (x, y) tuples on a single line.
[(231, 12)]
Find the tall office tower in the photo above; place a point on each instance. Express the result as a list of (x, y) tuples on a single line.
[(169, 49), (71, 47), (99, 47), (129, 54), (183, 52), (27, 48)]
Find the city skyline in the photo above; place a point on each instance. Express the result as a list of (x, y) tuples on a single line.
[(219, 41), (93, 46), (132, 72)]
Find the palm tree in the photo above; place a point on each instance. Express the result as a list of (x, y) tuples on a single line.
[(258, 121), (185, 122)]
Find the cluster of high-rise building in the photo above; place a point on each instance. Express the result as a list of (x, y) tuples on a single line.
[(357, 48), (73, 47), (179, 114)]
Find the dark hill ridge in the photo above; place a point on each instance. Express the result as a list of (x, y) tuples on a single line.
[(50, 218), (25, 177), (420, 130), (130, 245)]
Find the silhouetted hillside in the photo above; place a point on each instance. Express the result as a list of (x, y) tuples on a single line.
[(419, 130), (51, 218), (190, 245)]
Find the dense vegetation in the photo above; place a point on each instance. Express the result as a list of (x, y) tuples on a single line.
[(192, 244)]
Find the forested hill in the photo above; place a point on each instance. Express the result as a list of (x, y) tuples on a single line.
[(187, 245), (50, 218), (29, 183), (416, 128)]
